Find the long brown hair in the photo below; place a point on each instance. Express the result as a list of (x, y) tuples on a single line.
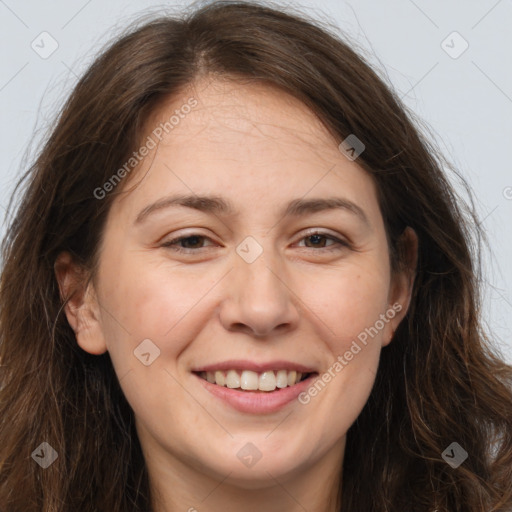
[(439, 381)]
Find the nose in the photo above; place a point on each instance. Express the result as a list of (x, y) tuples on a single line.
[(259, 302)]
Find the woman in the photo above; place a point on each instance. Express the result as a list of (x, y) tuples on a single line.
[(239, 279)]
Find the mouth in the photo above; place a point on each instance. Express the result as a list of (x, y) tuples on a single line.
[(255, 392), (255, 387), (267, 381)]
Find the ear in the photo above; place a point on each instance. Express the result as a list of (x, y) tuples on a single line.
[(82, 309), (402, 282)]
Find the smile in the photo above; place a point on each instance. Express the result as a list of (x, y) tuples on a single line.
[(255, 388), (248, 380)]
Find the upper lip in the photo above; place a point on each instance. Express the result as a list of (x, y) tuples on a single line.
[(239, 364)]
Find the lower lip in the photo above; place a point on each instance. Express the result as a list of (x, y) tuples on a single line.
[(257, 402)]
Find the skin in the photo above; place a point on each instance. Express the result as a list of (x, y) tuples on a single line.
[(297, 301)]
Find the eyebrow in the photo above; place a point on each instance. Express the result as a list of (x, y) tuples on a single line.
[(220, 206)]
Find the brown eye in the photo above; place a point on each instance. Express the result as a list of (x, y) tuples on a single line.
[(186, 243), (318, 240)]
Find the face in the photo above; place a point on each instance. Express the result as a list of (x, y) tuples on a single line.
[(278, 281)]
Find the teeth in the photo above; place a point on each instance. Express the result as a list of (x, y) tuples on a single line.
[(253, 381), (267, 381), (249, 380), (220, 379), (232, 379), (282, 379)]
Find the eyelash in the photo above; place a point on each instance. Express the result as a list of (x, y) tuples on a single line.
[(171, 243)]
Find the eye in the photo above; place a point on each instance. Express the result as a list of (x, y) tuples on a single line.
[(191, 243), (315, 237), (194, 240)]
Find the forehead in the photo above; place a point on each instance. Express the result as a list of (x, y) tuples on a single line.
[(228, 112), (245, 141)]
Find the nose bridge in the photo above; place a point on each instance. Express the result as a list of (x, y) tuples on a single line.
[(260, 299), (259, 267)]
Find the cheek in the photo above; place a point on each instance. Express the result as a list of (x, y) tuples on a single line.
[(351, 308), (352, 334), (145, 298), (348, 301)]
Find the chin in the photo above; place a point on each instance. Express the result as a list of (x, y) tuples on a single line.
[(257, 474)]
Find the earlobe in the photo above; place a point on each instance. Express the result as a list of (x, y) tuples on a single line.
[(81, 306)]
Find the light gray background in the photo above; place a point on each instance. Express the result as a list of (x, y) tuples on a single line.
[(466, 101)]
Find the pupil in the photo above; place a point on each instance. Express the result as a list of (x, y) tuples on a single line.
[(316, 238), (194, 237)]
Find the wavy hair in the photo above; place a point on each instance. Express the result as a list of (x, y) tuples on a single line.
[(439, 381)]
